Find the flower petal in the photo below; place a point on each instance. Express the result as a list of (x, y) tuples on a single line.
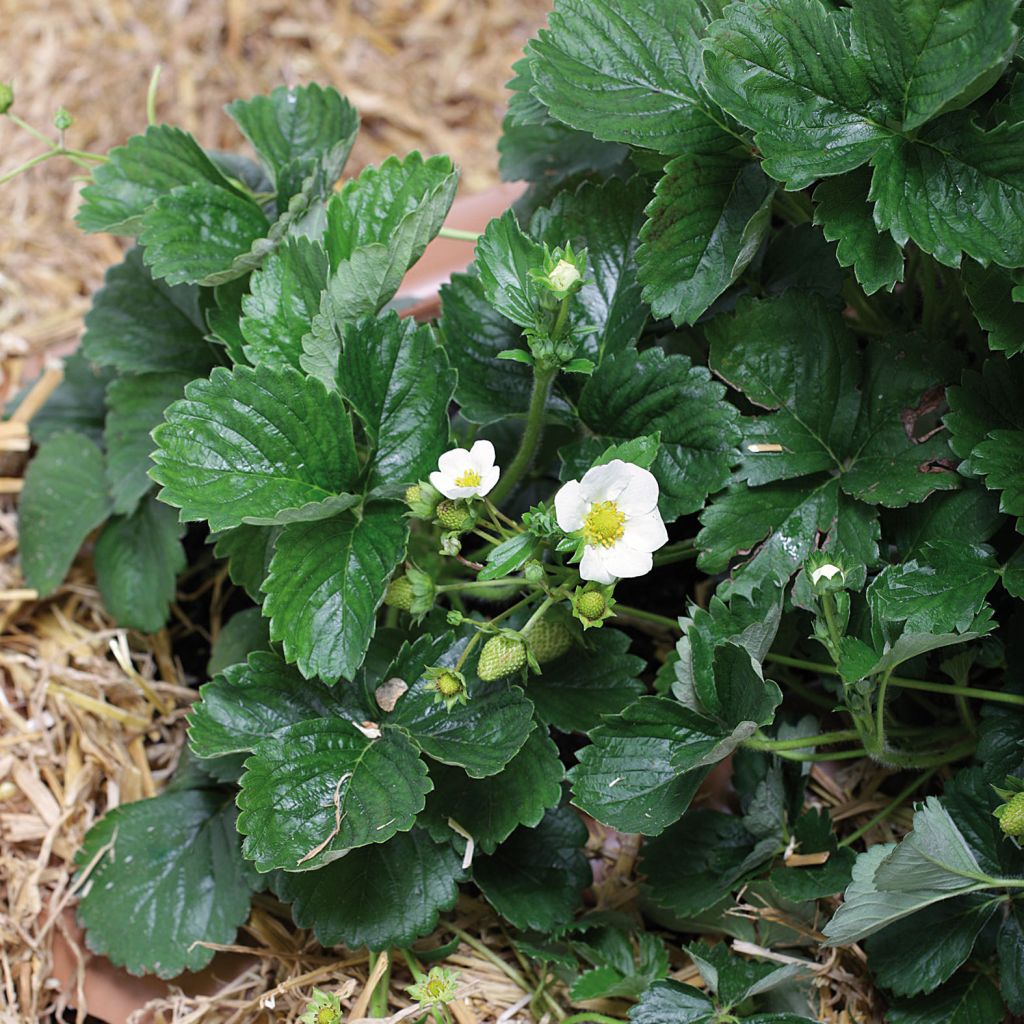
[(570, 507), (625, 562), (453, 462), (490, 478), (593, 565), (443, 483), (641, 492), (605, 483), (481, 456), (645, 533)]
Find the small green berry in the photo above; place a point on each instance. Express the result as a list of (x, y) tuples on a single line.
[(6, 97), (448, 684), (454, 515), (1011, 816), (413, 494), (501, 656), (591, 604), (399, 593), (549, 639)]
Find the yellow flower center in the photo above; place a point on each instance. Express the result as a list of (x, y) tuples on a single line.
[(604, 524), (470, 478)]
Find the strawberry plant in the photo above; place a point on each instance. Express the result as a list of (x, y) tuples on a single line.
[(713, 453)]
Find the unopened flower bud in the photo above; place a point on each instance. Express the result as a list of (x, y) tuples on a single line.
[(450, 544), (564, 276), (62, 120), (533, 571)]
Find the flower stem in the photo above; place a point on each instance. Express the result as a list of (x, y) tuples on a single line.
[(448, 588), (542, 380), (379, 996), (459, 235), (154, 83), (884, 813), (538, 614), (904, 683), (643, 616), (759, 742), (682, 551), (591, 1018)]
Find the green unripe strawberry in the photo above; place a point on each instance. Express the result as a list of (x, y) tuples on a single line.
[(399, 593), (549, 639), (1011, 816), (501, 656), (453, 515), (449, 685), (591, 604)]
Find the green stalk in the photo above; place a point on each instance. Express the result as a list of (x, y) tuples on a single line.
[(639, 613), (459, 235), (379, 997), (543, 377), (682, 551), (758, 742), (154, 83), (591, 1018), (896, 801)]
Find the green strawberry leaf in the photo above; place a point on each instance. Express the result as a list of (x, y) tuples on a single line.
[(257, 446), (379, 896), (813, 834), (146, 855), (939, 52), (327, 580), (969, 999), (635, 394), (138, 173), (371, 208), (942, 590), (627, 72), (490, 809), (1010, 947), (605, 219), (252, 701), (924, 951), (842, 211), (710, 213), (891, 881), (535, 878), (135, 407), (64, 499), (788, 71), (196, 234), (284, 296), (140, 325), (138, 558), (644, 765), (397, 379), (990, 291), (504, 258), (734, 979), (675, 1002), (298, 131), (320, 787), (599, 677), (78, 404), (953, 187)]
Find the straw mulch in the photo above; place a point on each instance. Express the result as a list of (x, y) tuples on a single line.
[(425, 74)]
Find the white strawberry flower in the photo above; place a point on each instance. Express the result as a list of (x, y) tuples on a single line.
[(615, 507), (466, 474)]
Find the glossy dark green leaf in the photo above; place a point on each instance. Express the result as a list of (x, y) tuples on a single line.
[(196, 233), (138, 558), (140, 325), (536, 877), (970, 999), (168, 875), (138, 173), (627, 72), (135, 407), (243, 634), (635, 394), (710, 213), (981, 404), (508, 556), (923, 951), (671, 1001), (504, 258), (320, 787), (490, 809), (1010, 948), (252, 701), (327, 580), (788, 71), (295, 130), (842, 210), (990, 291), (377, 896), (397, 379), (248, 550), (259, 446), (64, 499), (78, 403), (813, 834), (596, 678), (284, 296)]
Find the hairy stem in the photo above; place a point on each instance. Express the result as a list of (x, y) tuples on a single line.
[(542, 380), (459, 235)]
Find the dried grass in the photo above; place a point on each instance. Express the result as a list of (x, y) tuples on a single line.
[(426, 74)]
